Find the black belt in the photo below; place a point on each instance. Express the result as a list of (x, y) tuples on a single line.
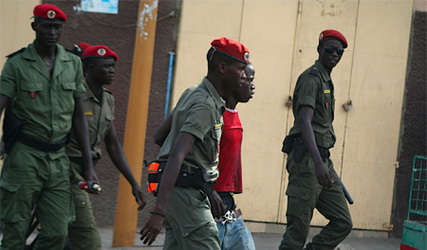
[(42, 145), (184, 179), (194, 180), (296, 143)]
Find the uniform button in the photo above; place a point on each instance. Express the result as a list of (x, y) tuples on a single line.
[(83, 203), (186, 234)]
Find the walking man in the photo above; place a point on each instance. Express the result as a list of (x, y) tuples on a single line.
[(186, 202), (41, 87), (233, 233), (98, 103), (313, 182)]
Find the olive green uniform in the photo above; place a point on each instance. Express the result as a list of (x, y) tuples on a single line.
[(99, 114), (30, 176), (189, 223), (314, 89)]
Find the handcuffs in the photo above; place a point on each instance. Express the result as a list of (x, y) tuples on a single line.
[(229, 216)]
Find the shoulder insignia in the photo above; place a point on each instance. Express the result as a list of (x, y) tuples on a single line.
[(69, 51), (314, 71), (73, 52), (16, 53)]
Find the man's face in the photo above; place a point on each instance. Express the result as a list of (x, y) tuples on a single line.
[(235, 74), (102, 70), (48, 32), (330, 53), (246, 89)]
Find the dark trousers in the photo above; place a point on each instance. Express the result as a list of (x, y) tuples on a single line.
[(304, 195)]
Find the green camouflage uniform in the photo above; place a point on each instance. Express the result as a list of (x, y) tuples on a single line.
[(99, 114), (314, 89), (189, 223), (32, 177)]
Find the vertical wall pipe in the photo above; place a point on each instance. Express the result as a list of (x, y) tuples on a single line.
[(168, 90), (126, 209)]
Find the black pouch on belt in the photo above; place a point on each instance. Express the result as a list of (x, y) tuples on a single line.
[(184, 179), (12, 127), (288, 144), (299, 149), (155, 171)]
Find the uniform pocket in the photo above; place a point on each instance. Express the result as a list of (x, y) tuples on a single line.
[(9, 196), (200, 232), (302, 178), (83, 210), (198, 199), (63, 97), (69, 86), (30, 91), (32, 86)]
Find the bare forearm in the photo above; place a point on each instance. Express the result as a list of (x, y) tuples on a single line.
[(167, 184), (118, 157), (4, 101), (81, 131), (310, 142), (322, 173), (82, 138), (180, 150), (163, 131), (305, 118)]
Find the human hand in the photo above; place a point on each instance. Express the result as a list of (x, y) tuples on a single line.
[(217, 206), (323, 175), (151, 228), (139, 196), (91, 176)]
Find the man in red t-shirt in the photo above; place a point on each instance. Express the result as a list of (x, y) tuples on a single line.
[(233, 233)]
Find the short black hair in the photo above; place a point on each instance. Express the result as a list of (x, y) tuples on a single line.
[(215, 57), (40, 19)]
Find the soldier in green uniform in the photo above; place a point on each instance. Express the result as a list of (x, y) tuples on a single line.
[(98, 102), (186, 202), (41, 87), (313, 182)]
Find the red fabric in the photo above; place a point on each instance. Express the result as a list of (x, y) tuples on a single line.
[(83, 45), (406, 247), (101, 51), (328, 34), (230, 159), (49, 11), (231, 48)]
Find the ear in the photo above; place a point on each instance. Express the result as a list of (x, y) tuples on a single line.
[(222, 67), (33, 26), (318, 48), (89, 67)]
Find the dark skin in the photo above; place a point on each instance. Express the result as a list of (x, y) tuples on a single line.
[(242, 92), (48, 33), (223, 77), (328, 61), (101, 72)]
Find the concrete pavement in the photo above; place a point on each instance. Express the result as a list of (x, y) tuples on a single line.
[(267, 241)]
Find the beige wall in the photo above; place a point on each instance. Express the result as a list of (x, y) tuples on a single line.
[(15, 25), (15, 28), (281, 36)]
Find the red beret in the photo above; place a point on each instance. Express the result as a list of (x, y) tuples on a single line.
[(328, 34), (49, 11), (231, 48), (83, 45), (100, 51)]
